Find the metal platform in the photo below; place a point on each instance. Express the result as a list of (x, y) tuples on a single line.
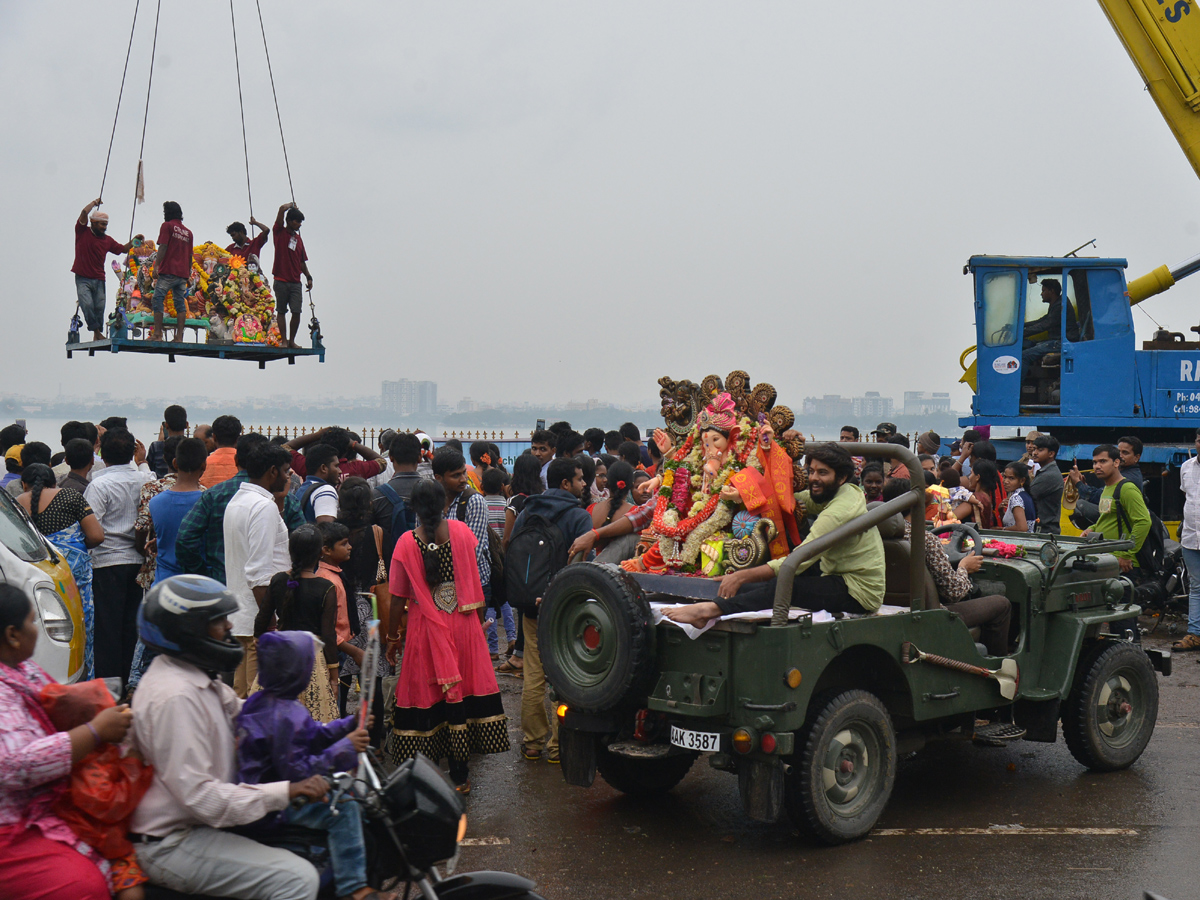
[(260, 353)]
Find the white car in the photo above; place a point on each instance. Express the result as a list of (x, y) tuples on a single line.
[(30, 562)]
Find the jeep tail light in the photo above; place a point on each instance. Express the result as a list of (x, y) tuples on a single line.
[(768, 743), (793, 678), (561, 710), (743, 740)]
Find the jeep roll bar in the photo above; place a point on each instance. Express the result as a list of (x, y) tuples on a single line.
[(916, 557)]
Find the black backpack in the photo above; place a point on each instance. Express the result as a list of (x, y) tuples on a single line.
[(536, 551), (404, 517), (1154, 548)]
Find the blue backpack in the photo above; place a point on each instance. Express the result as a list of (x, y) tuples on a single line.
[(404, 518)]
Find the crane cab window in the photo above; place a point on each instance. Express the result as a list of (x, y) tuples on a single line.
[(1097, 297), (1000, 296)]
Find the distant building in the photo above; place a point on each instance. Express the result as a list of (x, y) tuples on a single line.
[(872, 406), (466, 404), (835, 406), (409, 398), (830, 406), (923, 403)]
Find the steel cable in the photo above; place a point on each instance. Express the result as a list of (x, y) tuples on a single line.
[(120, 94), (145, 116), (241, 107)]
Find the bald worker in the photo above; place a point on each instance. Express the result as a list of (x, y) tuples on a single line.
[(92, 245)]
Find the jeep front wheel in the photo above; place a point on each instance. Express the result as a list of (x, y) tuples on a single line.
[(844, 768), (1109, 715)]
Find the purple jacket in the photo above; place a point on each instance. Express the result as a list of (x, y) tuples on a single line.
[(277, 738)]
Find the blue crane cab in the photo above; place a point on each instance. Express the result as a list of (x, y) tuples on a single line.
[(1093, 378)]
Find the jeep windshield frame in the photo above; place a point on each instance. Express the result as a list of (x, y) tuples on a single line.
[(914, 499)]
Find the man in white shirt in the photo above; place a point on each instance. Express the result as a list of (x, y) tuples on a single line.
[(113, 496), (256, 547), (183, 727), (1189, 537)]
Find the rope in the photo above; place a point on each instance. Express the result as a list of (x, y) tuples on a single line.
[(242, 107), (275, 97), (120, 94), (146, 114)]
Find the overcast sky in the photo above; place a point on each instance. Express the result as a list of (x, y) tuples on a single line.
[(555, 201)]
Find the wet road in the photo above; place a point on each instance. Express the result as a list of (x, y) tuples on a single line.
[(697, 842)]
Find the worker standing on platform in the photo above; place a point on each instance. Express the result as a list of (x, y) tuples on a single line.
[(173, 266), (290, 263), (249, 250), (92, 245)]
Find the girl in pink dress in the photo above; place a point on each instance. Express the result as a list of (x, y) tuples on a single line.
[(447, 701)]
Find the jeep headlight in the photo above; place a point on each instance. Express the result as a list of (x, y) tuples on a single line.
[(1114, 591), (53, 612)]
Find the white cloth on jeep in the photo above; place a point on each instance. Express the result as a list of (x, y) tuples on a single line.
[(656, 610)]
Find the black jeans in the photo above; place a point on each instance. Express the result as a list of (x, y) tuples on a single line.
[(116, 597), (811, 590)]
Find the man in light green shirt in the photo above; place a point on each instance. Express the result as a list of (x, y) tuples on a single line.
[(1124, 518), (851, 575)]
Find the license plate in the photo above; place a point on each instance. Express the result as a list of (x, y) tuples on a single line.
[(695, 740)]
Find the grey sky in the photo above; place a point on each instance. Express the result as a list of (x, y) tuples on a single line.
[(536, 201)]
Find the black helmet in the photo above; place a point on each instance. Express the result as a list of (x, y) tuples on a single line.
[(174, 619)]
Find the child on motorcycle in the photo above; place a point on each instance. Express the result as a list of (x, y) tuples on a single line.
[(279, 741), (105, 786)]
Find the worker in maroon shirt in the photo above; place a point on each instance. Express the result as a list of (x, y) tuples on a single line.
[(290, 263), (92, 245), (173, 267), (244, 248)]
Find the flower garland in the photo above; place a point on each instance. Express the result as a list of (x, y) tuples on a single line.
[(688, 457)]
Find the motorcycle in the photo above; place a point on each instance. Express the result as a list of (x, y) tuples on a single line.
[(413, 819)]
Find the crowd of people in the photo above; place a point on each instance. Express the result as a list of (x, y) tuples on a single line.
[(238, 586)]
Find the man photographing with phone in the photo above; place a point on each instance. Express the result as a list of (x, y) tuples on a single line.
[(174, 424)]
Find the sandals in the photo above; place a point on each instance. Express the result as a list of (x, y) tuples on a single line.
[(553, 758), (1189, 642), (464, 788), (530, 752), (507, 668)]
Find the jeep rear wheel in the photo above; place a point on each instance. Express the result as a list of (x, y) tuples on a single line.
[(596, 637), (639, 777), (843, 771), (1109, 715)]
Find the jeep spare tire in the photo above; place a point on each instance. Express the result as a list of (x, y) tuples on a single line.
[(596, 637)]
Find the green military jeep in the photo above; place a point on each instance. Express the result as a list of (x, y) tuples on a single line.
[(811, 710)]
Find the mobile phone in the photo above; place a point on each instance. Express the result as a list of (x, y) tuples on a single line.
[(24, 427), (541, 425), (649, 432)]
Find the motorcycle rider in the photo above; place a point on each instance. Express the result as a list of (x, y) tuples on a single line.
[(183, 725)]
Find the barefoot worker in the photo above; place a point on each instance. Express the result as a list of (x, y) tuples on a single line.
[(850, 578)]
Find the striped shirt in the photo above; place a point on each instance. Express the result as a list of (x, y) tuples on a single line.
[(113, 496), (496, 504), (477, 520)]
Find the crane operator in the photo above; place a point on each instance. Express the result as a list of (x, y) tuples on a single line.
[(1048, 327)]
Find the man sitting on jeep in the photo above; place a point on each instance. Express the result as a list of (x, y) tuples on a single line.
[(851, 575)]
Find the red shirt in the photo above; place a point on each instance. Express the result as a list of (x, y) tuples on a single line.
[(363, 468), (250, 248), (289, 254), (178, 240), (91, 250)]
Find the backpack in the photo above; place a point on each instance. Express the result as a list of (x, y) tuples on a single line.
[(304, 494), (404, 517), (495, 543), (536, 551), (1154, 548)]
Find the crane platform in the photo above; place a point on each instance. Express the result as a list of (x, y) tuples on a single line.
[(260, 353)]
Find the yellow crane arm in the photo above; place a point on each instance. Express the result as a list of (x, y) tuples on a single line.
[(1162, 37)]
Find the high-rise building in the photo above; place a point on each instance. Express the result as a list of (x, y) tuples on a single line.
[(872, 406), (923, 403), (409, 398)]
